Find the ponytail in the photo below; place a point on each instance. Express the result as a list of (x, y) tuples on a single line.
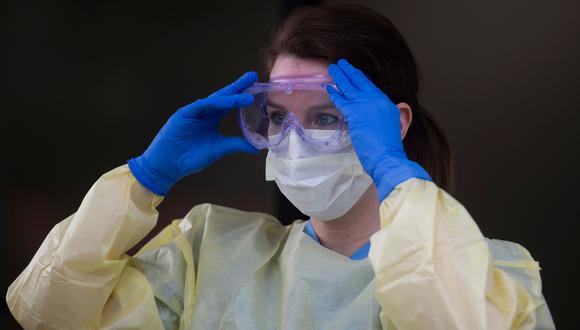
[(426, 144)]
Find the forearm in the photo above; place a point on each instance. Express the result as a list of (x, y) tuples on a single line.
[(77, 266), (434, 269)]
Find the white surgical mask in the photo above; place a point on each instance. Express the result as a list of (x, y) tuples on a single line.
[(322, 186)]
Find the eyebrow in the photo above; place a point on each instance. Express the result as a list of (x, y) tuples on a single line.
[(314, 107)]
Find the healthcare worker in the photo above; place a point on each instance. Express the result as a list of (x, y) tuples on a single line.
[(384, 246)]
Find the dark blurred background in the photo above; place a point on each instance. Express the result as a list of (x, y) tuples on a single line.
[(86, 85)]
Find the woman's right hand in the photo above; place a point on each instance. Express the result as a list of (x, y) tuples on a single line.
[(190, 140)]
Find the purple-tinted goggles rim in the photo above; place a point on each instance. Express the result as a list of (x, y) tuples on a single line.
[(290, 83)]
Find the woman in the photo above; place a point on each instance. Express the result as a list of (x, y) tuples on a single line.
[(385, 245)]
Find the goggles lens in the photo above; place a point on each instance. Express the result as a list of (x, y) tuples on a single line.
[(278, 108)]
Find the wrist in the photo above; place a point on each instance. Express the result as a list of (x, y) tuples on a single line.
[(149, 177), (391, 172)]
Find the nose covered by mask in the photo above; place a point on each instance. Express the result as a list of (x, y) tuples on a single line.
[(322, 186)]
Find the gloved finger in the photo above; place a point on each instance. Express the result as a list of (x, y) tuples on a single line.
[(206, 107), (245, 81), (337, 99), (341, 103), (229, 145), (342, 81), (357, 77)]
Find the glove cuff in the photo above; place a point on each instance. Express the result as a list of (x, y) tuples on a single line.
[(148, 177), (393, 172)]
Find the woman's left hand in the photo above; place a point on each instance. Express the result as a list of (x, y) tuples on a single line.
[(374, 127)]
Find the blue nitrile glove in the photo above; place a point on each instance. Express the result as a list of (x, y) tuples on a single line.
[(190, 140), (374, 126)]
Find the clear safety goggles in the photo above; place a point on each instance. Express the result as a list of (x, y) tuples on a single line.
[(294, 103)]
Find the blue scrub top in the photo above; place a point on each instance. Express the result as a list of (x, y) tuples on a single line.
[(359, 254)]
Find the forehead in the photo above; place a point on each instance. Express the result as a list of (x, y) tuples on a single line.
[(299, 99), (293, 66)]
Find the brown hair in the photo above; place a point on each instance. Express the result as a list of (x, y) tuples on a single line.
[(372, 43)]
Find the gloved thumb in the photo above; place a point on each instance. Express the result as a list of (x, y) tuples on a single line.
[(230, 145)]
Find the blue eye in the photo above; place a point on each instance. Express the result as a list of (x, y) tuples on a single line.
[(277, 118), (326, 119)]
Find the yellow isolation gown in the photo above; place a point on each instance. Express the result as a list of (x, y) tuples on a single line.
[(429, 267)]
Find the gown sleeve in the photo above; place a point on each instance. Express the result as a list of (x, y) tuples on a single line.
[(81, 277), (435, 270)]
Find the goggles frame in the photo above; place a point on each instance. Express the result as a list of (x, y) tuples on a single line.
[(288, 84)]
